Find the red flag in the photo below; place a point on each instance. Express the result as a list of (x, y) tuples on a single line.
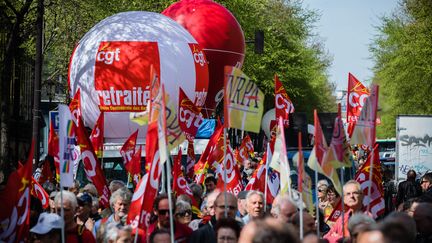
[(190, 117), (190, 160), (40, 193), (180, 185), (97, 135), (283, 103), (337, 211), (246, 148), (320, 142), (128, 151), (200, 168), (46, 174), (145, 193), (365, 128), (53, 141), (376, 199), (15, 209), (92, 165), (357, 94), (233, 178), (75, 107)]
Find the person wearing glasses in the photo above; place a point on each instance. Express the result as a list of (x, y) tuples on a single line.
[(161, 220), (183, 212), (353, 200), (426, 185), (225, 206)]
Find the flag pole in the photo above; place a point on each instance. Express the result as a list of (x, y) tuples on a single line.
[(342, 202), (62, 214), (266, 178), (168, 181), (225, 173), (300, 186), (316, 203), (370, 177)]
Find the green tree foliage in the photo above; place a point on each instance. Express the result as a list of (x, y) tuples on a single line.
[(403, 69), (289, 51)]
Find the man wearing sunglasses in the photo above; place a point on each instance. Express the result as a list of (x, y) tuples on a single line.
[(225, 202), (162, 221)]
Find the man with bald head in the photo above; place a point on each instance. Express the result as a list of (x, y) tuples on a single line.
[(353, 199), (225, 201)]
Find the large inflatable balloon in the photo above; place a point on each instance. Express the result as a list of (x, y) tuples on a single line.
[(267, 121), (111, 66), (218, 33)]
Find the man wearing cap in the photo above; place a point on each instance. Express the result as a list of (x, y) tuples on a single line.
[(83, 211), (73, 232), (47, 229)]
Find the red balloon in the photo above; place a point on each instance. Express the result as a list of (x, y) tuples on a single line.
[(219, 34)]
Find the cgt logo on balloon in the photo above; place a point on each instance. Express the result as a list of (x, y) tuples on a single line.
[(122, 73)]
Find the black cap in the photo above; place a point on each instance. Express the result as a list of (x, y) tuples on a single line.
[(85, 199)]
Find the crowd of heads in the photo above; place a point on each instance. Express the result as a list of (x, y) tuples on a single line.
[(210, 215)]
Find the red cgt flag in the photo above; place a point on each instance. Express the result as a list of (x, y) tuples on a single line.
[(357, 94), (75, 107), (233, 178), (40, 193), (190, 160), (128, 154), (283, 103), (189, 116), (15, 209), (97, 135), (376, 199), (92, 165)]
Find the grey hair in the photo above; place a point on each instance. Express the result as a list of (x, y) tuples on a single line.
[(122, 193), (67, 196), (358, 219), (182, 205), (352, 182), (112, 230), (196, 189), (252, 193), (114, 183), (282, 199)]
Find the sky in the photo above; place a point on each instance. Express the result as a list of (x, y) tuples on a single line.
[(347, 28)]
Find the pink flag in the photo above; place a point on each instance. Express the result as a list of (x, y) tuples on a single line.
[(365, 128)]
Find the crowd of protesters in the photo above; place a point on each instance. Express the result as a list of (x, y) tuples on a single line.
[(225, 217)]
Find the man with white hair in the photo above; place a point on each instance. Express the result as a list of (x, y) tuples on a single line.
[(284, 208), (73, 232), (119, 201), (353, 199), (254, 206)]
